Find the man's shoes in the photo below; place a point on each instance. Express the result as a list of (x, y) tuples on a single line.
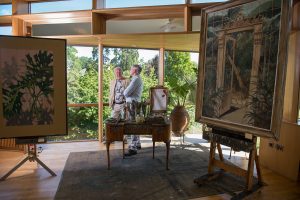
[(131, 152), (135, 145)]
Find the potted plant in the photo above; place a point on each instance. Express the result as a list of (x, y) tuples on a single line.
[(181, 91)]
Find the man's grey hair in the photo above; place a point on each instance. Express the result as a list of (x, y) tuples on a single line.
[(118, 67), (138, 67)]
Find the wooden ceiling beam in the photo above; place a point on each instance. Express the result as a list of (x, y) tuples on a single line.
[(169, 41), (6, 2), (143, 10), (55, 18), (187, 19), (142, 17), (5, 20)]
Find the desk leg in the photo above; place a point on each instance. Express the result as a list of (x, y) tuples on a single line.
[(153, 150), (108, 158), (123, 148), (168, 150)]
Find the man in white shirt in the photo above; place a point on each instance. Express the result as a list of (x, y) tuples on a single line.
[(134, 93)]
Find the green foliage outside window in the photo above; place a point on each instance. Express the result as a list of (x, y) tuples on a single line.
[(181, 79), (82, 85)]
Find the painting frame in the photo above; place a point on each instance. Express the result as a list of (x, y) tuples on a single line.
[(42, 62), (154, 108), (279, 85)]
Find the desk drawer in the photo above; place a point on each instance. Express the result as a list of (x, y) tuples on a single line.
[(137, 129), (114, 132), (161, 133)]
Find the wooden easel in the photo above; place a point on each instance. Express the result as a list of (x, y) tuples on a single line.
[(250, 145)]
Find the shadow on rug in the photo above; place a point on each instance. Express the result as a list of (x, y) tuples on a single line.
[(85, 176)]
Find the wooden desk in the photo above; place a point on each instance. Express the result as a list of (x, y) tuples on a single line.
[(159, 132)]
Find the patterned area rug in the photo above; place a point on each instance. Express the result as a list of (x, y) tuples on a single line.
[(85, 175)]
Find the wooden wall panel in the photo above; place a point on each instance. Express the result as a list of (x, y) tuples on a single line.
[(290, 111), (98, 24), (187, 19), (6, 1), (296, 16), (18, 27), (283, 156), (10, 144)]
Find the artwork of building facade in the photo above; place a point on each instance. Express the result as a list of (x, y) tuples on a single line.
[(241, 62)]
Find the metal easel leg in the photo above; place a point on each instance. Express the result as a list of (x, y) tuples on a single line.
[(14, 169), (31, 157), (44, 166)]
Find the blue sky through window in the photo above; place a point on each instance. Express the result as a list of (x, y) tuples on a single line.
[(58, 6), (5, 30), (136, 3), (206, 1), (5, 9)]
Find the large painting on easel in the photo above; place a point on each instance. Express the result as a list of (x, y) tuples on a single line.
[(242, 66), (32, 87)]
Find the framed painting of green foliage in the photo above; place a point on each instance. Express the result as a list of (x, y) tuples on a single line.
[(32, 87), (243, 55)]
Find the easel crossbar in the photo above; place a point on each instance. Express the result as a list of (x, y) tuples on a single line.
[(230, 168)]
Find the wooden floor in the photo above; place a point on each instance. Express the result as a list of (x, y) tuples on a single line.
[(33, 182)]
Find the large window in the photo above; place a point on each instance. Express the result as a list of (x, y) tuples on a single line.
[(82, 80), (5, 30), (57, 6), (125, 58), (138, 3), (5, 9), (82, 95), (180, 78)]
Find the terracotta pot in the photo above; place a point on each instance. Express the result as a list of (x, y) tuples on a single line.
[(180, 120)]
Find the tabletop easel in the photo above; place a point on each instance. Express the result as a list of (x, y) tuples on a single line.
[(31, 157), (239, 143)]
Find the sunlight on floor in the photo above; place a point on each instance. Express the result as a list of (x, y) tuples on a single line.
[(195, 141)]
